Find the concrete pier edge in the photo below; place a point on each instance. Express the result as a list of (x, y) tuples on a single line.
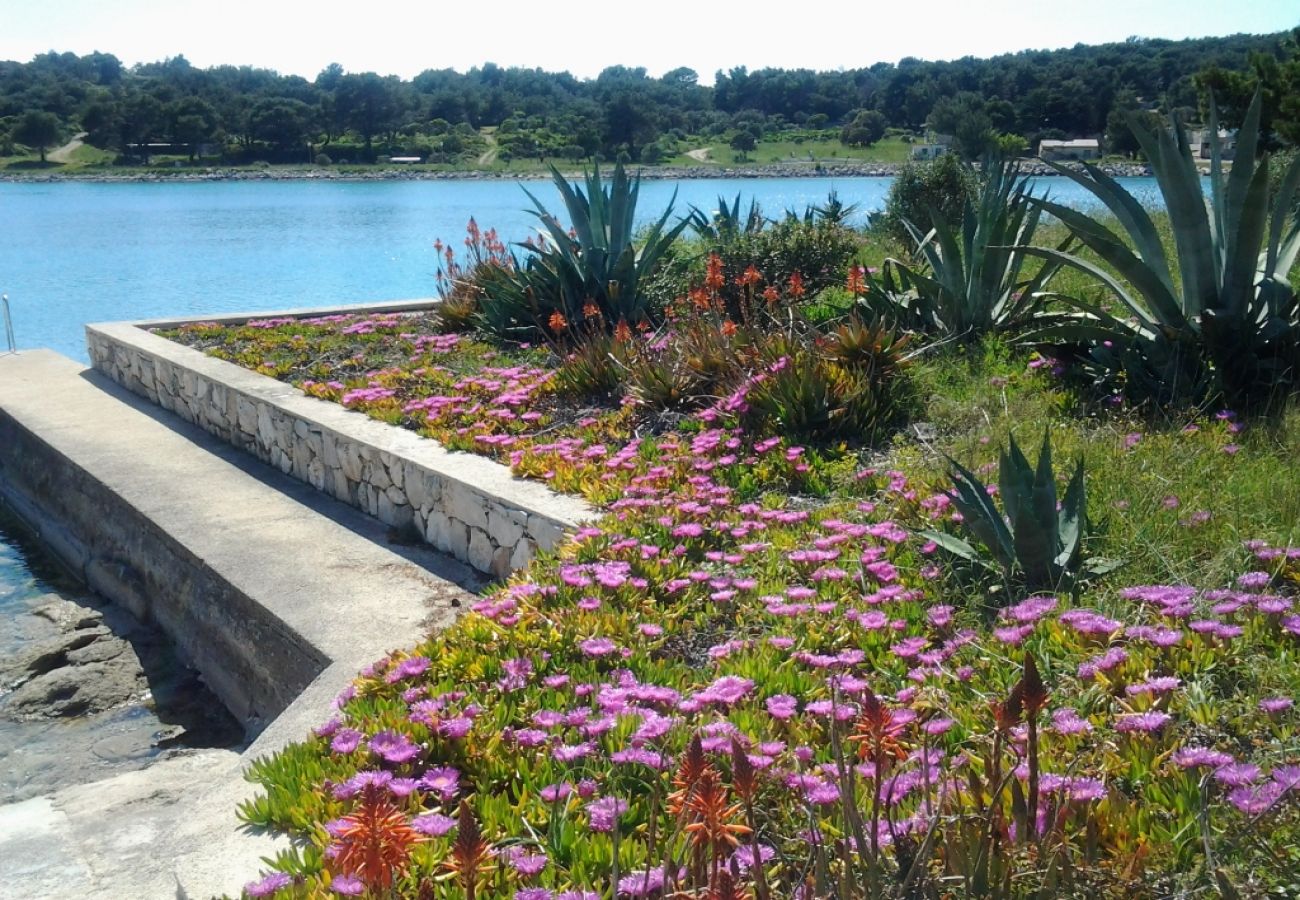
[(220, 551)]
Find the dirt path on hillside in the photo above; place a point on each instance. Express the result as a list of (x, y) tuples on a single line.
[(489, 156), (64, 153), (700, 154)]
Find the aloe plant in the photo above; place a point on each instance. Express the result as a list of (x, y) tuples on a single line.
[(1039, 543), (601, 263), (1220, 321), (971, 281)]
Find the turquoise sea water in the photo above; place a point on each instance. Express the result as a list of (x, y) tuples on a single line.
[(78, 252)]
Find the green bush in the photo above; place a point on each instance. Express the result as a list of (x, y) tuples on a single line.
[(944, 185)]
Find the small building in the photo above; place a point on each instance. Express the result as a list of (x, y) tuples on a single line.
[(934, 146), (1200, 141), (404, 160), (1059, 151)]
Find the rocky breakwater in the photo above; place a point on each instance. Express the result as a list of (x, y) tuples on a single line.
[(792, 169)]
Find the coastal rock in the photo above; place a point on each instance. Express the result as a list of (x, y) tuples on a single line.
[(74, 691)]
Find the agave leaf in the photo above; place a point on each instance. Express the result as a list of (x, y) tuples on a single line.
[(1160, 302), (1088, 267), (953, 545), (1171, 162), (1279, 248), (1132, 216), (981, 516), (1072, 521)]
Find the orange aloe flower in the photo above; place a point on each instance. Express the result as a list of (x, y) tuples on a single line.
[(557, 321), (375, 840), (622, 334), (857, 283), (797, 289), (713, 278), (728, 328)]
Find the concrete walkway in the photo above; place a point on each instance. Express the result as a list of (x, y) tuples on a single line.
[(321, 570)]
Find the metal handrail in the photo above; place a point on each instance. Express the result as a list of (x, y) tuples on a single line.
[(9, 324)]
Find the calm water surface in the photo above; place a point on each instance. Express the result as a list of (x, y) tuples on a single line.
[(72, 253)]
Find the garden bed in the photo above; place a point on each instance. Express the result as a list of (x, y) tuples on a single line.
[(767, 630)]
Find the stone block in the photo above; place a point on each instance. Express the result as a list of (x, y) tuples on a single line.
[(500, 562), (504, 531), (480, 550), (545, 533), (316, 474), (522, 555), (437, 531), (458, 539), (464, 503)]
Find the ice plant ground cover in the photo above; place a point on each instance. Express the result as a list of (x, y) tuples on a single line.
[(753, 678)]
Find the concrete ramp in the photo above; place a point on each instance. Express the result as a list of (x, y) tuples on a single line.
[(278, 595)]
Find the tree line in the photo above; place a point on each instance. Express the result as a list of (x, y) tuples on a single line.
[(242, 114)]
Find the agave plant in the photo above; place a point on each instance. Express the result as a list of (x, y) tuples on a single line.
[(1038, 543), (1224, 323), (973, 281), (599, 264), (725, 224)]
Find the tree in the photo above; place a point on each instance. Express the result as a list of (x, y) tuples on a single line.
[(37, 129), (743, 143), (370, 105), (282, 122), (965, 117), (193, 122), (867, 127)]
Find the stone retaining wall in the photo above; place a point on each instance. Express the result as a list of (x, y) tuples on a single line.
[(464, 505)]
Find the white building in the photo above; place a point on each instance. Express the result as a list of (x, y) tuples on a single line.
[(1082, 148)]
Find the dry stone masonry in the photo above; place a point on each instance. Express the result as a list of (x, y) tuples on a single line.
[(464, 505)]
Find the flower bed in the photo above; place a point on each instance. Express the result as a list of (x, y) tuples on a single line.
[(754, 678)]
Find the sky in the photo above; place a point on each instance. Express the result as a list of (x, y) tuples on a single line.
[(405, 37)]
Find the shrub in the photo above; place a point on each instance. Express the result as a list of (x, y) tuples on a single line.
[(809, 395), (941, 186), (460, 284), (322, 159)]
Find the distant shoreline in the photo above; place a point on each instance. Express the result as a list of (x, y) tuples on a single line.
[(393, 173)]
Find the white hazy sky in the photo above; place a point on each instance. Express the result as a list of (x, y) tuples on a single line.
[(404, 37)]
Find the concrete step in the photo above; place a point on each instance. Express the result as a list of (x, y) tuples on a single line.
[(277, 593)]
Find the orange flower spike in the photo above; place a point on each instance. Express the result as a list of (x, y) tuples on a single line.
[(856, 284), (713, 278), (729, 328), (590, 310), (771, 295), (622, 334), (713, 825), (749, 276), (700, 298), (375, 840), (557, 321), (797, 289)]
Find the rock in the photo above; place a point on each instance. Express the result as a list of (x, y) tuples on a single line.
[(102, 649), (47, 655), (73, 691)]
